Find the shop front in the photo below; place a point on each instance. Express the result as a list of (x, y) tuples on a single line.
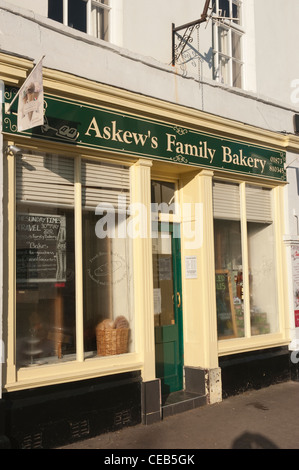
[(143, 246)]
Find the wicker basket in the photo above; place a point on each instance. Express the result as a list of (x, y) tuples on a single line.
[(112, 341)]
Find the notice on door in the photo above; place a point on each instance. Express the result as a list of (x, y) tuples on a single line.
[(41, 248), (157, 301)]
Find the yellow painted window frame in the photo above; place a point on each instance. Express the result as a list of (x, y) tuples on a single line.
[(81, 368), (248, 342)]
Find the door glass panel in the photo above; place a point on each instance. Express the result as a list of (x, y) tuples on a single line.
[(163, 194), (163, 280)]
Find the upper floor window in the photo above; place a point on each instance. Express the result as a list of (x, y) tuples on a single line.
[(89, 16), (227, 42)]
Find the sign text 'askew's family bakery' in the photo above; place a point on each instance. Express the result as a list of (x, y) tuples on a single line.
[(96, 127)]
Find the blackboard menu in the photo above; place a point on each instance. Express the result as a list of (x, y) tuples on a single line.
[(41, 248)]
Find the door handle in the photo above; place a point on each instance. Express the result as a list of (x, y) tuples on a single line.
[(178, 299)]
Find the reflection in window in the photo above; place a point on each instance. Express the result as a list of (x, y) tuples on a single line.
[(107, 258), (45, 261), (47, 316), (163, 279), (107, 284), (261, 258), (236, 286), (229, 278)]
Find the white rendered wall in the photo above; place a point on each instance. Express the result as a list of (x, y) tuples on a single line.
[(143, 27), (277, 35), (37, 6), (100, 61), (148, 26)]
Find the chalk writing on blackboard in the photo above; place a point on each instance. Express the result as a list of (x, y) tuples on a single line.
[(41, 248)]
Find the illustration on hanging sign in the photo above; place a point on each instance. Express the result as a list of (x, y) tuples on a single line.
[(31, 97), (91, 126)]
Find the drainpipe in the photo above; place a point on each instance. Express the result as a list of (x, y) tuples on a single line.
[(4, 440), (1, 237)]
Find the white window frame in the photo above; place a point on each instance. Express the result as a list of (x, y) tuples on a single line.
[(231, 26), (90, 4), (93, 5)]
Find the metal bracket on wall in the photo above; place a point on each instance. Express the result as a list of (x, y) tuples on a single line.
[(177, 50)]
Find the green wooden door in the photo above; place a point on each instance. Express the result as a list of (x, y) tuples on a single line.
[(168, 308)]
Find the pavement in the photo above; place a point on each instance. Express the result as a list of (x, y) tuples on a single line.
[(260, 419)]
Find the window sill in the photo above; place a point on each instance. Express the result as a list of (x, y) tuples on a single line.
[(53, 374), (242, 345)]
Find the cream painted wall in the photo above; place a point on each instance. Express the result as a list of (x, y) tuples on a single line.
[(139, 62)]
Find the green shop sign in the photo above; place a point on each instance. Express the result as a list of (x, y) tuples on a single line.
[(90, 126)]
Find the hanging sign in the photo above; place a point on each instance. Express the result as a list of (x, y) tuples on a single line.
[(90, 126), (31, 100)]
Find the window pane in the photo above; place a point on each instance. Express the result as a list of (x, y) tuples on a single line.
[(100, 24), (107, 266), (237, 74), (262, 280), (163, 279), (223, 37), (45, 285), (224, 7), (236, 11), (224, 70), (163, 194), (45, 261), (229, 279), (55, 10), (236, 46), (77, 15)]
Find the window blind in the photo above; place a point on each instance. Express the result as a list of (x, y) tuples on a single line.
[(226, 201), (105, 183), (45, 178), (258, 204)]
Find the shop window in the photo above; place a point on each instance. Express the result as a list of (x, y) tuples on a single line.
[(107, 264), (244, 261), (45, 261), (48, 308), (227, 42), (89, 16)]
